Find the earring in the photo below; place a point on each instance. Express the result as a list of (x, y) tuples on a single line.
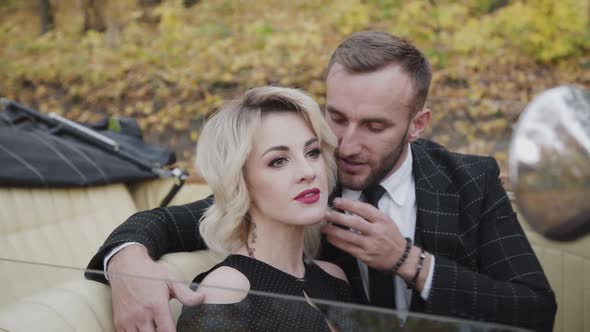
[(251, 250)]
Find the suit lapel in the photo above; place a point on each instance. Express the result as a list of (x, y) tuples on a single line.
[(437, 199), (437, 202)]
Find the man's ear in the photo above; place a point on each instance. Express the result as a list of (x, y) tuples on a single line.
[(419, 123)]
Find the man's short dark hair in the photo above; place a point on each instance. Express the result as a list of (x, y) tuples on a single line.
[(369, 51)]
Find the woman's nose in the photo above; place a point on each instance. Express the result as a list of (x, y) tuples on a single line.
[(308, 172)]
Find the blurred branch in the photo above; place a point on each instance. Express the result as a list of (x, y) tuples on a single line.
[(497, 4), (189, 3), (144, 3)]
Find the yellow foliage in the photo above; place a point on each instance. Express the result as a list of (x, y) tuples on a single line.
[(172, 65), (546, 29), (349, 15)]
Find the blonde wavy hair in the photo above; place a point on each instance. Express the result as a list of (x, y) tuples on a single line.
[(223, 148)]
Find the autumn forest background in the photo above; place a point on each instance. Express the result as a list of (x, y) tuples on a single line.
[(167, 63)]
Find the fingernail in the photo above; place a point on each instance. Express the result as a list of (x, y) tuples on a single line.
[(337, 200)]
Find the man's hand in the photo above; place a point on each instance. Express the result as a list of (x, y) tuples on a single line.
[(377, 241), (141, 292)]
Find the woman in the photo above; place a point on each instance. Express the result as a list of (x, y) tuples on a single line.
[(268, 159)]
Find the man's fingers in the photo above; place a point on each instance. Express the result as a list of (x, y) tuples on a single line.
[(132, 321), (147, 327), (186, 295), (361, 209), (164, 321), (346, 246), (348, 221), (344, 235), (128, 329)]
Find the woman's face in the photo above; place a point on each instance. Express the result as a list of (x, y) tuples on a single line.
[(285, 172)]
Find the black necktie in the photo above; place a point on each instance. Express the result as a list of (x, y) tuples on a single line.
[(381, 284)]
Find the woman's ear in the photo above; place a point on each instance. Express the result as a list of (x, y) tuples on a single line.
[(418, 124)]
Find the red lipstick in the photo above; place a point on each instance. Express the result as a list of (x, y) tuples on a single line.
[(308, 196)]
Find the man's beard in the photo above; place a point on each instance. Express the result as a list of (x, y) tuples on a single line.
[(377, 175)]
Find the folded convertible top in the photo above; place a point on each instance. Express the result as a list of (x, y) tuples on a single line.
[(38, 150)]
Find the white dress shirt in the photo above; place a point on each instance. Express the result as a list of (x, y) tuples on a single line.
[(399, 203), (107, 258)]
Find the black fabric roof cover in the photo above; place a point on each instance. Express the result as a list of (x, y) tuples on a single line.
[(40, 151)]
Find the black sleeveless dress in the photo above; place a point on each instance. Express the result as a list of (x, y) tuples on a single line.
[(272, 313)]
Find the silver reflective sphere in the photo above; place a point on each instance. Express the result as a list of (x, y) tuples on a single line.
[(549, 163)]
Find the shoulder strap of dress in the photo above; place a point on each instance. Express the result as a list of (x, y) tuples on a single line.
[(202, 275), (234, 261)]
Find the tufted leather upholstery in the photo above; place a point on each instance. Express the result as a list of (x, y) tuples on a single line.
[(66, 226), (148, 195), (62, 229), (83, 305), (54, 226), (567, 266)]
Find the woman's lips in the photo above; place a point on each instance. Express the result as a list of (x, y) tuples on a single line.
[(308, 196)]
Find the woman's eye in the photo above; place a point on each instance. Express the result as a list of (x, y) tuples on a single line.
[(278, 162), (314, 154)]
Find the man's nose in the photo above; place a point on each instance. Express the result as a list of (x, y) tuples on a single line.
[(349, 144)]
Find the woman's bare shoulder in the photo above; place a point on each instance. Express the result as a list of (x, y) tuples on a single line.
[(332, 269), (224, 285)]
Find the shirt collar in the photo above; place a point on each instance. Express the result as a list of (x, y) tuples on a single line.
[(397, 184)]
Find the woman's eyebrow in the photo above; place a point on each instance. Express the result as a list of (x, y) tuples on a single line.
[(275, 148), (311, 141)]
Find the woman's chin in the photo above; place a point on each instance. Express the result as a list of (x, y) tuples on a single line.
[(313, 218)]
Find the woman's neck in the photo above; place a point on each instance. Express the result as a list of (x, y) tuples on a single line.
[(277, 244)]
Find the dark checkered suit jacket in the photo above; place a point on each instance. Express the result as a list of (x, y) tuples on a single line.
[(485, 267)]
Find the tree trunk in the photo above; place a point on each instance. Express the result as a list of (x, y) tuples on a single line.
[(93, 16), (46, 16)]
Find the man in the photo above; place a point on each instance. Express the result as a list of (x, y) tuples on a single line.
[(439, 235)]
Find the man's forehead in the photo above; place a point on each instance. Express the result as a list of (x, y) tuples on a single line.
[(385, 89), (372, 109), (335, 69)]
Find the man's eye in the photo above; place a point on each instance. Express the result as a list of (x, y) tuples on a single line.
[(337, 118), (279, 162), (314, 154), (376, 127)]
